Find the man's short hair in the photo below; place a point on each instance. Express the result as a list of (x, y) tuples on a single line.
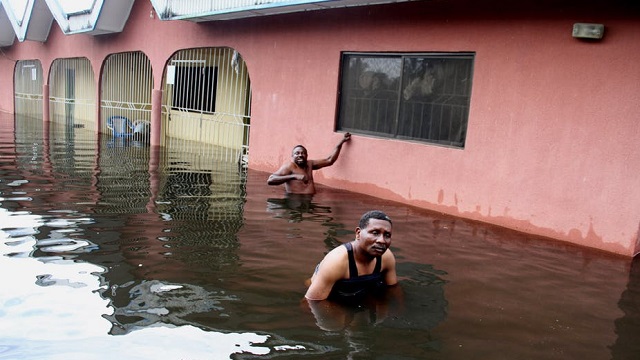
[(373, 214), (299, 146)]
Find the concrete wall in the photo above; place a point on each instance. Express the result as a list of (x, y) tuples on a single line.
[(551, 145)]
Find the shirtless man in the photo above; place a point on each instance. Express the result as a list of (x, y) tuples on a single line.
[(297, 174), (360, 267)]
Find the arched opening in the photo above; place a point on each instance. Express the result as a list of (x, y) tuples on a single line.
[(207, 103), (72, 94), (28, 80), (125, 101)]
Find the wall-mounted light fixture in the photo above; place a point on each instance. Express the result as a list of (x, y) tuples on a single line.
[(588, 31)]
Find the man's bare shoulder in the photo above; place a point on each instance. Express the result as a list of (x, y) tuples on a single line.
[(334, 258), (388, 256), (286, 168), (338, 251)]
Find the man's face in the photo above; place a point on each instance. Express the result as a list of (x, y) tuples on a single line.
[(376, 237), (299, 156)]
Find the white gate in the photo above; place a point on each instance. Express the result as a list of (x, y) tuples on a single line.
[(207, 104), (28, 82), (72, 94), (125, 104)]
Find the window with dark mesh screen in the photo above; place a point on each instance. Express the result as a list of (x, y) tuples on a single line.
[(423, 97)]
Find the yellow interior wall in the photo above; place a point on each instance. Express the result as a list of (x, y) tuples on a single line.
[(84, 90)]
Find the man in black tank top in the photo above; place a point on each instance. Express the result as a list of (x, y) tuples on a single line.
[(360, 267), (357, 287)]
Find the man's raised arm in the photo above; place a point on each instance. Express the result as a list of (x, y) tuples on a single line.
[(331, 159)]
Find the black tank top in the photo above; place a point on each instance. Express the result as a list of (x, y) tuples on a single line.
[(357, 287)]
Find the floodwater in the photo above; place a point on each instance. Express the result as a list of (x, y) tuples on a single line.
[(109, 250)]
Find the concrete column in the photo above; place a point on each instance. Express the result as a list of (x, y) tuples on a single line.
[(45, 104), (154, 142), (46, 127), (156, 117)]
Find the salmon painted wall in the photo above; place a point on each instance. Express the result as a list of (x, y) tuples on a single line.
[(551, 145)]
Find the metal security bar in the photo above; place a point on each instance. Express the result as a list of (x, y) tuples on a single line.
[(125, 105), (410, 96), (28, 80), (206, 105), (72, 94)]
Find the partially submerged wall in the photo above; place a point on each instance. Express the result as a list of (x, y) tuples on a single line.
[(551, 145)]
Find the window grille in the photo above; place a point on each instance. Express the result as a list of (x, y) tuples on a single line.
[(28, 80), (423, 97), (206, 104)]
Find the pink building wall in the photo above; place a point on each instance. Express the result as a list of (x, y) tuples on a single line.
[(552, 140)]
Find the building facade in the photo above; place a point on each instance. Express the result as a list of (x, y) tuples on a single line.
[(519, 114)]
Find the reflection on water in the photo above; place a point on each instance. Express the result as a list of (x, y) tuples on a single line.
[(114, 250), (296, 208), (50, 308), (627, 345), (153, 302)]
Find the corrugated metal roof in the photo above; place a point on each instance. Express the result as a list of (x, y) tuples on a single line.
[(211, 10)]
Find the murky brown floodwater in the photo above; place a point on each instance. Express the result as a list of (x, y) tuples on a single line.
[(105, 256)]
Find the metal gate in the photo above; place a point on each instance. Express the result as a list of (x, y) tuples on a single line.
[(207, 104), (125, 105), (28, 80), (72, 94)]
